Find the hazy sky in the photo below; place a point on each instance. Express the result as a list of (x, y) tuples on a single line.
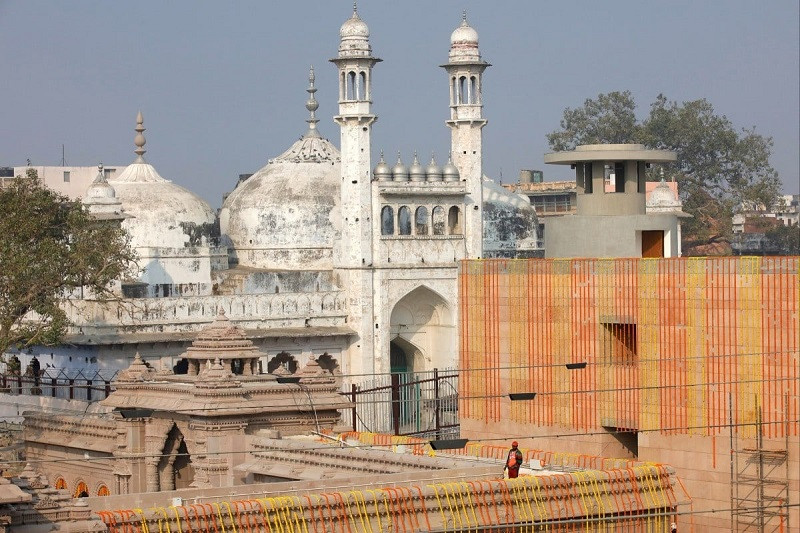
[(222, 84)]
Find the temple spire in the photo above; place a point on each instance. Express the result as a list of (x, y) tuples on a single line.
[(139, 140), (312, 105)]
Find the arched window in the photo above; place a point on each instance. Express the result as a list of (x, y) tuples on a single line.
[(362, 86), (462, 90), (454, 221), (404, 221), (342, 87), (327, 362), (102, 490), (473, 90), (387, 220), (421, 220), (438, 220), (181, 366), (351, 85), (81, 490), (453, 91), (284, 360), (60, 483)]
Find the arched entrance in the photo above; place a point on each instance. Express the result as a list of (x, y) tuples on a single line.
[(175, 465), (422, 334)]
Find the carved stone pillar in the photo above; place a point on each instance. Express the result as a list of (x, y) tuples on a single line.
[(151, 470), (168, 475)]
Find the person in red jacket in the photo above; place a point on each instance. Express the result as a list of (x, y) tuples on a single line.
[(513, 461)]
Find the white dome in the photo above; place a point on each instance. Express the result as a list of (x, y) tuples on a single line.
[(464, 43), (464, 34), (354, 35), (354, 27), (285, 216), (164, 215)]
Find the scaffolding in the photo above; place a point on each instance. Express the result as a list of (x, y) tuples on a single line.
[(759, 485)]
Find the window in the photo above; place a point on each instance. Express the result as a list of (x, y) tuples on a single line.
[(438, 220), (615, 177), (421, 221), (66, 176), (619, 343), (387, 220), (404, 221), (107, 172), (454, 221), (287, 363), (587, 178)]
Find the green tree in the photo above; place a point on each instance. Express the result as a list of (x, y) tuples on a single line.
[(719, 169), (49, 249), (784, 239)]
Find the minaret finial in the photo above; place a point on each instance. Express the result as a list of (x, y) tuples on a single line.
[(355, 7), (312, 105), (139, 140), (464, 18)]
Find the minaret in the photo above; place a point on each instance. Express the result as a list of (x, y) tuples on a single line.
[(355, 118), (465, 70), (353, 254)]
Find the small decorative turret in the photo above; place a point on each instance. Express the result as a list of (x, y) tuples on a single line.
[(450, 172), (434, 171), (312, 105), (382, 171), (400, 171), (139, 140), (416, 172)]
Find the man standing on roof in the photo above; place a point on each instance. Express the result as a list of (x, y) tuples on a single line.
[(513, 461)]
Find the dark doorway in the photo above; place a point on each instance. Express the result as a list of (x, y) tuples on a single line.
[(653, 243)]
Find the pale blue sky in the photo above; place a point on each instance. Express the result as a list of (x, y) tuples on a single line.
[(222, 84)]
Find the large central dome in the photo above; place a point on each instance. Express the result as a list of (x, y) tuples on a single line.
[(285, 216)]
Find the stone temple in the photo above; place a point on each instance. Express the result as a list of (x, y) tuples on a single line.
[(323, 252)]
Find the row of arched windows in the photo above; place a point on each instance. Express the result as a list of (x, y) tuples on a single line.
[(354, 85), (465, 90), (81, 488), (436, 223)]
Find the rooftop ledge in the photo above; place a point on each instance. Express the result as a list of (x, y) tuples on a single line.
[(610, 152)]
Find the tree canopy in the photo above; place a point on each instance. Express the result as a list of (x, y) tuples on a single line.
[(49, 248), (719, 168)]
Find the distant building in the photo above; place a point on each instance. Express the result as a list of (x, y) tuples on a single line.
[(610, 203), (750, 227), (559, 198), (72, 182)]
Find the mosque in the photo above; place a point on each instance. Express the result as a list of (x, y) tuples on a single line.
[(322, 252)]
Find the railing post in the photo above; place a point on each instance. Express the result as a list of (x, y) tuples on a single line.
[(71, 389), (353, 397), (108, 388), (396, 403), (54, 387), (437, 421), (88, 390)]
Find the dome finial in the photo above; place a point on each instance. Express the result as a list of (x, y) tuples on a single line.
[(312, 105), (355, 8), (464, 18), (139, 140)]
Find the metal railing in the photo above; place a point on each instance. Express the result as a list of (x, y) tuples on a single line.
[(423, 404), (66, 384)]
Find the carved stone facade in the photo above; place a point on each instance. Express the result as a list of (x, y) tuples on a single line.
[(162, 431)]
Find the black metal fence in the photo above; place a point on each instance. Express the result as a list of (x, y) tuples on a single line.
[(423, 404), (67, 384)]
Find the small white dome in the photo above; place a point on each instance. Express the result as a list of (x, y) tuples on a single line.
[(164, 215), (464, 34), (354, 27), (464, 43)]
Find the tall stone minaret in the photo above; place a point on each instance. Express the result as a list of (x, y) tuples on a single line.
[(465, 71), (355, 119), (353, 254)]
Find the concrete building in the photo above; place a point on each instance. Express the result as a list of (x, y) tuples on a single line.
[(72, 182), (617, 209), (690, 361)]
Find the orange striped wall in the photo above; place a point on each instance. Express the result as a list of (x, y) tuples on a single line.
[(709, 332)]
